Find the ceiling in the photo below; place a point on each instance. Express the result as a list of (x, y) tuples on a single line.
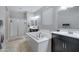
[(24, 8)]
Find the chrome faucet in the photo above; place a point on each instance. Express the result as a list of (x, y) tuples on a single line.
[(39, 34)]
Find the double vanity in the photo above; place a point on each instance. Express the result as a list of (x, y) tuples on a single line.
[(65, 41)]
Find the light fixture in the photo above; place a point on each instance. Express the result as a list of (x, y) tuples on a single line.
[(35, 17), (65, 7)]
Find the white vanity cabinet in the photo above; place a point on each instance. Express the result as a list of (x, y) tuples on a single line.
[(37, 46), (33, 45), (43, 46)]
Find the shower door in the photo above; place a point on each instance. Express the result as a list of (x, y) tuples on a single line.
[(17, 27)]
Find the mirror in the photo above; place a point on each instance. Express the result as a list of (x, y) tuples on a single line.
[(68, 17)]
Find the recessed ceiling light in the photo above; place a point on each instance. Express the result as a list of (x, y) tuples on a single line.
[(35, 17)]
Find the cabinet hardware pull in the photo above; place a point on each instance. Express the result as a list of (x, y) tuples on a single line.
[(63, 45)]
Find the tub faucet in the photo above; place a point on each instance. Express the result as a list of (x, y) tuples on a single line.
[(39, 34)]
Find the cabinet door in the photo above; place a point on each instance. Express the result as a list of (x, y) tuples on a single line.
[(66, 43), (58, 44), (73, 45), (61, 44)]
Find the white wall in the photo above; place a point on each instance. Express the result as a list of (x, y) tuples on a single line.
[(51, 11), (2, 12), (70, 16)]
